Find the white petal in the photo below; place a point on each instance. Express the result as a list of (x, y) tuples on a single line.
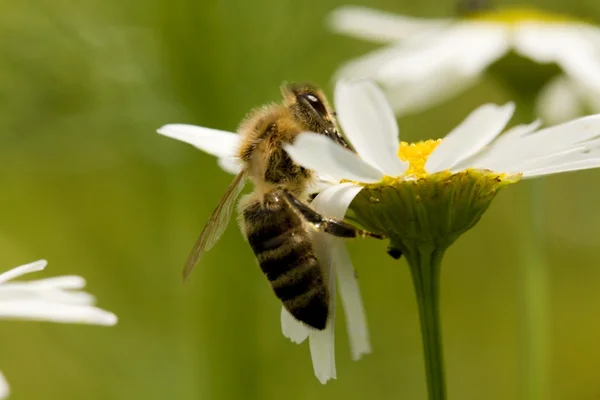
[(467, 48), (322, 343), (59, 282), (41, 310), (513, 152), (369, 65), (24, 291), (369, 123), (366, 23), (417, 95), (559, 101), (213, 141), (230, 164), (323, 155), (475, 132), (573, 166), (293, 329), (356, 320), (590, 150), (4, 388), (334, 202), (569, 45), (485, 159), (22, 270)]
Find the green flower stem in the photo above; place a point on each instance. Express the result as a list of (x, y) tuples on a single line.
[(422, 218), (535, 279), (425, 264)]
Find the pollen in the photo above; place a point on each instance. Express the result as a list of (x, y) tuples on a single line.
[(416, 154), (517, 15)]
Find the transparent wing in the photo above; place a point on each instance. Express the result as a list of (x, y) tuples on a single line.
[(216, 225)]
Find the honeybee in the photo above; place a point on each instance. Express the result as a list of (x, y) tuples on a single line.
[(275, 218)]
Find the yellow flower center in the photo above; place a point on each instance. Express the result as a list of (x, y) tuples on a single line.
[(417, 154), (517, 15)]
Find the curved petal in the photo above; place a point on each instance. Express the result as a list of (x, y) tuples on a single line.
[(291, 328), (4, 388), (368, 121), (323, 155), (369, 65), (366, 23), (334, 202), (22, 270), (569, 45), (468, 138), (65, 313), (213, 141), (466, 47), (58, 282)]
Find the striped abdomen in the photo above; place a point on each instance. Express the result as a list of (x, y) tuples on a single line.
[(286, 255)]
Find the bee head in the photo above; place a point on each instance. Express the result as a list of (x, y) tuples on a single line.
[(311, 109)]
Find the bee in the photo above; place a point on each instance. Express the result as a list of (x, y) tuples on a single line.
[(275, 218)]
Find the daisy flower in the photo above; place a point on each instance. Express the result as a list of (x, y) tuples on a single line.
[(55, 299), (427, 61), (424, 195), (332, 201)]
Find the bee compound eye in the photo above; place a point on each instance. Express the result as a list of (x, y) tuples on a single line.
[(312, 99), (316, 104)]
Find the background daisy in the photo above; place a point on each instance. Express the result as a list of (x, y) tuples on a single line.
[(427, 61)]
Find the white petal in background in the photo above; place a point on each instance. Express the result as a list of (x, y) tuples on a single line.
[(418, 95), (51, 299), (559, 101), (369, 24), (368, 121), (568, 45), (4, 388), (466, 48), (22, 270)]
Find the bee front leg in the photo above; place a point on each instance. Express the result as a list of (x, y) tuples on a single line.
[(331, 226)]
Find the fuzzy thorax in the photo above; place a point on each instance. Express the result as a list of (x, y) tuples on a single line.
[(420, 208)]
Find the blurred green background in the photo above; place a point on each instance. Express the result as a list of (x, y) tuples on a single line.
[(88, 184)]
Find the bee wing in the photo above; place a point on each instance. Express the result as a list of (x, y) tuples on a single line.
[(216, 225)]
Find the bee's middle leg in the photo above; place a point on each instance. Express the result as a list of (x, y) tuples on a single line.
[(331, 226)]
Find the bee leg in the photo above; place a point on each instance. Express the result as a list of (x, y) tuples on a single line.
[(394, 253), (331, 226)]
